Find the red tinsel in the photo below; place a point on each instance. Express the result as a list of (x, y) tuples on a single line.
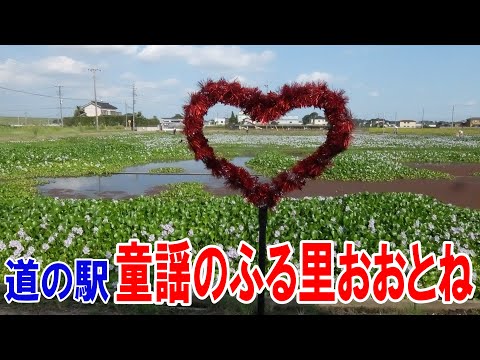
[(265, 108)]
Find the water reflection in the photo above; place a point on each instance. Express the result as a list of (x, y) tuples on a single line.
[(129, 184)]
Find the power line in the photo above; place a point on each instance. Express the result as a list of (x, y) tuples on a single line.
[(37, 94)]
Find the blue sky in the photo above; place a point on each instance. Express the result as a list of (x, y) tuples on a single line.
[(379, 80)]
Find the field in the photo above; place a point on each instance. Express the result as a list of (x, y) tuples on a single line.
[(60, 229)]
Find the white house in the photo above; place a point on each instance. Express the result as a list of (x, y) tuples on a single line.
[(320, 121), (171, 123), (219, 121), (242, 118), (103, 108), (290, 121), (407, 124)]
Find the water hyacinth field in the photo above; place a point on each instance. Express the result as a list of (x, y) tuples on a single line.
[(52, 229)]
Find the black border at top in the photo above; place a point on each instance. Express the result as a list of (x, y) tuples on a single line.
[(270, 23)]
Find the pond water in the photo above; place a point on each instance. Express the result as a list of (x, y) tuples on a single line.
[(133, 181)]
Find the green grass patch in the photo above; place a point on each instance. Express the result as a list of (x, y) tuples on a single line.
[(167, 170)]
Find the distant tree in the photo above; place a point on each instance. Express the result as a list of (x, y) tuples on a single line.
[(307, 119), (155, 117), (178, 116), (232, 121), (79, 111)]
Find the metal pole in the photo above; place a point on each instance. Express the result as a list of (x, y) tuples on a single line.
[(453, 110), (60, 98), (133, 107), (262, 253), (126, 116), (95, 94)]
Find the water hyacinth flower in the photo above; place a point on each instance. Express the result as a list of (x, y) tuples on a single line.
[(77, 230), (28, 238), (45, 246), (67, 242), (86, 250), (60, 227), (232, 253), (151, 238), (371, 225), (190, 233), (43, 225), (15, 243), (30, 251), (95, 230), (87, 218), (21, 233), (276, 233), (2, 246), (108, 254)]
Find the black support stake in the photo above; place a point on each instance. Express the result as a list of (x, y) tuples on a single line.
[(262, 253)]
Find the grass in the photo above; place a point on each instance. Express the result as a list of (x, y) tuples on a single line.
[(28, 133), (444, 131), (167, 170), (14, 120)]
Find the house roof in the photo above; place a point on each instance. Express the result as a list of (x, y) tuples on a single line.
[(408, 121), (474, 118), (102, 105)]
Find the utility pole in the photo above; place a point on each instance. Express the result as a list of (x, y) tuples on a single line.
[(126, 115), (60, 98), (95, 94), (133, 106), (453, 110), (423, 114), (25, 118)]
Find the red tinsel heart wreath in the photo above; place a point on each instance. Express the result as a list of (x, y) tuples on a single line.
[(264, 108)]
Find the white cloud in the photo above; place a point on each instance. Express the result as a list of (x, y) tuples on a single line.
[(14, 73), (314, 76), (241, 79), (60, 65), (169, 82), (374, 93), (100, 49), (128, 76), (149, 84), (471, 103), (227, 57)]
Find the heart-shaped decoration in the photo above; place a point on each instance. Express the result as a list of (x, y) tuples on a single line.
[(264, 108)]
